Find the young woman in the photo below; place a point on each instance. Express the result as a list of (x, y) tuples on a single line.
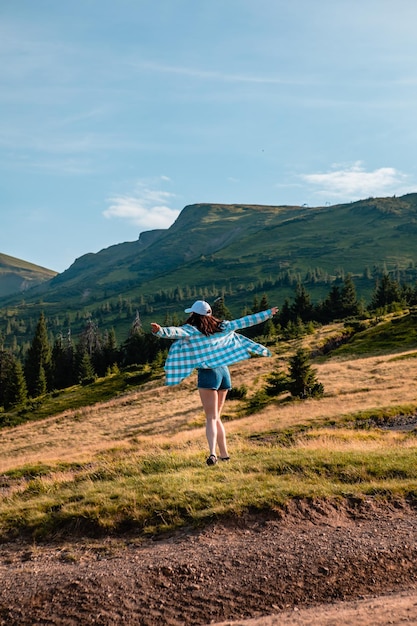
[(210, 345)]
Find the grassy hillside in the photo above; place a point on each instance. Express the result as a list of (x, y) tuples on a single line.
[(237, 250), (16, 276), (137, 460)]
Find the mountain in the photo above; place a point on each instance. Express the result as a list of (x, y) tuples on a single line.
[(236, 242), (237, 250), (17, 275), (201, 230)]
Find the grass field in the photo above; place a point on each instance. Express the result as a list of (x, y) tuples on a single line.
[(137, 461)]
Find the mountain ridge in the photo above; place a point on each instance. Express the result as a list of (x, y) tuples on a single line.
[(236, 249), (17, 275)]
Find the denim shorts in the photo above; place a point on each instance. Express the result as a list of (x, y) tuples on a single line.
[(216, 378)]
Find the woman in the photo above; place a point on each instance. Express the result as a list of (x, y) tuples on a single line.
[(210, 345)]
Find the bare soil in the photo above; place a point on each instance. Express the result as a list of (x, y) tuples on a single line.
[(290, 567)]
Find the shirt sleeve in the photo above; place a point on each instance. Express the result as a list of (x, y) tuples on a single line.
[(172, 332), (248, 320)]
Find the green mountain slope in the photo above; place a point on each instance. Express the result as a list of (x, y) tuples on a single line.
[(212, 248), (262, 239), (200, 230), (17, 275), (352, 236)]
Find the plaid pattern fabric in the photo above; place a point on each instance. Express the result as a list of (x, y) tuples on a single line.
[(195, 350)]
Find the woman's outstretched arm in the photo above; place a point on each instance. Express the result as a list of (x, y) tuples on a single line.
[(251, 320)]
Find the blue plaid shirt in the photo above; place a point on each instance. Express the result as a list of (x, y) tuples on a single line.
[(195, 350)]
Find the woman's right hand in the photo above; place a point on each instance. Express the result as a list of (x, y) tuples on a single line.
[(155, 327)]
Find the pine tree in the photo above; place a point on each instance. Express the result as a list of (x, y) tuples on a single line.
[(16, 390), (110, 349), (91, 342), (269, 329), (277, 383), (263, 305), (386, 292), (40, 383), (38, 360), (63, 374), (255, 306), (220, 310), (86, 373), (285, 313), (349, 301), (331, 309), (6, 361), (303, 380), (13, 388), (302, 306), (136, 327), (140, 347), (90, 338)]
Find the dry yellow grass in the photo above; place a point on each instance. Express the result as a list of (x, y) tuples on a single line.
[(156, 416)]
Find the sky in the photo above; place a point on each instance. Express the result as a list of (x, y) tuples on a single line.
[(116, 114)]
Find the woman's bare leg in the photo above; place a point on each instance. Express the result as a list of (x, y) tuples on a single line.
[(213, 402), (209, 400), (221, 432)]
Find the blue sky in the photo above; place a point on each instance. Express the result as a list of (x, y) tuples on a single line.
[(115, 114)]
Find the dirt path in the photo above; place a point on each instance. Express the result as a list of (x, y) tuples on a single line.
[(288, 568), (397, 609)]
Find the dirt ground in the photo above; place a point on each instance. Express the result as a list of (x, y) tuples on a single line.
[(315, 563)]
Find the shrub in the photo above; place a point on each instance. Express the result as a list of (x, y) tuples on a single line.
[(277, 383), (257, 401), (238, 393)]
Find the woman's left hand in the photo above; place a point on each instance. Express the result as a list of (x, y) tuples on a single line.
[(274, 310)]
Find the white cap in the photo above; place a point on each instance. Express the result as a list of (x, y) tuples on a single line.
[(201, 307)]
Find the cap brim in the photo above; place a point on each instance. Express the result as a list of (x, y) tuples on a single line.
[(188, 310)]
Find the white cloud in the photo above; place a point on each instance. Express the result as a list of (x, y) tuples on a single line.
[(146, 208), (354, 182)]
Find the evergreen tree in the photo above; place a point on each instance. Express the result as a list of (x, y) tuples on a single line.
[(413, 296), (110, 349), (90, 338), (269, 329), (15, 391), (277, 383), (302, 306), (40, 383), (294, 329), (285, 314), (263, 305), (140, 347), (5, 367), (137, 325), (255, 306), (38, 360), (220, 310), (303, 380), (63, 374), (387, 291), (349, 302), (91, 342), (86, 373), (341, 302), (131, 349), (331, 308)]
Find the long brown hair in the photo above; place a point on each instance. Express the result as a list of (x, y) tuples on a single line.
[(206, 324)]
